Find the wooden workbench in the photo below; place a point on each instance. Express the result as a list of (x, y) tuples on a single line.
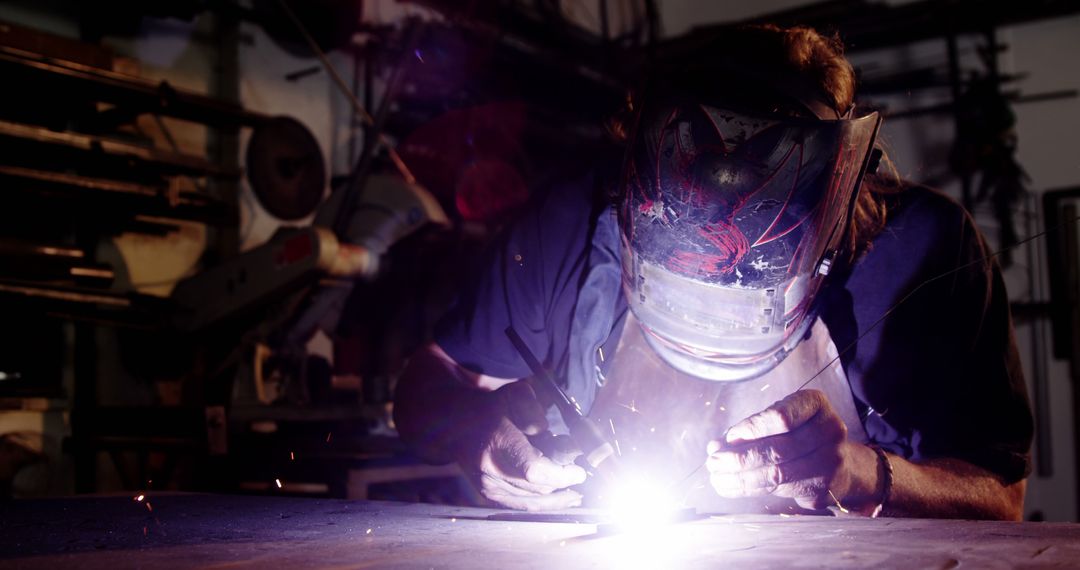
[(190, 530)]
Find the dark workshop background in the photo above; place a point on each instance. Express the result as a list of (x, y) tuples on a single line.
[(125, 168)]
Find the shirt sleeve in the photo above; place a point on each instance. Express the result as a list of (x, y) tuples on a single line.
[(940, 375), (528, 280), (986, 419)]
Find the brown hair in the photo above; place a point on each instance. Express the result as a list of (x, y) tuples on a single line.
[(811, 63)]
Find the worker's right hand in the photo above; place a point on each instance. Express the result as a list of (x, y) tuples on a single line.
[(503, 463)]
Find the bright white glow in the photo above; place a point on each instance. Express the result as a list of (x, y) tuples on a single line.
[(642, 504)]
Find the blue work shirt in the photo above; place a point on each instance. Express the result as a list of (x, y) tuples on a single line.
[(938, 376)]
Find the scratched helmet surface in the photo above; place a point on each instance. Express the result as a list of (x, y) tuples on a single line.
[(729, 220)]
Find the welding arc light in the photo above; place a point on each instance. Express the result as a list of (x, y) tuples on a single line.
[(642, 504)]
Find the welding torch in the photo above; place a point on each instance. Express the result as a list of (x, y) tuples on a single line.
[(597, 452)]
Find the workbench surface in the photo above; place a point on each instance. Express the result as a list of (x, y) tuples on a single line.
[(194, 530)]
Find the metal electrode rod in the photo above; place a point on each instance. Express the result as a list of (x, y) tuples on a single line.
[(596, 449)]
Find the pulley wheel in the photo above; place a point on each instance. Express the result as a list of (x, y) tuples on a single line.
[(285, 168)]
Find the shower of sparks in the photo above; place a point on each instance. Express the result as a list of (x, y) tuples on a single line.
[(765, 387), (837, 501), (140, 498), (278, 483), (632, 407)]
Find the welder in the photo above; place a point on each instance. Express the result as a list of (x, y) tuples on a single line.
[(747, 289)]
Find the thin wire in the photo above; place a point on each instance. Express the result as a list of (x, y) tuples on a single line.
[(925, 283), (692, 473), (347, 91)]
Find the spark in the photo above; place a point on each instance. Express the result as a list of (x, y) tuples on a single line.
[(632, 407), (416, 52), (368, 531), (278, 483), (453, 519), (722, 408), (612, 424), (652, 430), (617, 448), (765, 387), (140, 498), (707, 403), (292, 456), (683, 435), (785, 516), (576, 405), (328, 434), (148, 507)]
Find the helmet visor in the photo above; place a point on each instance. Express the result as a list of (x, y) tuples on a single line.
[(726, 218)]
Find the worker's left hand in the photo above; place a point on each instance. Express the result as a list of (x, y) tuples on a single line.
[(796, 448)]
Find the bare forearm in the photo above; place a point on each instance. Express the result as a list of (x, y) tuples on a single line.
[(951, 488), (936, 488)]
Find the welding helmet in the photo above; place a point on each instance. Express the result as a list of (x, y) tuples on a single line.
[(730, 218)]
